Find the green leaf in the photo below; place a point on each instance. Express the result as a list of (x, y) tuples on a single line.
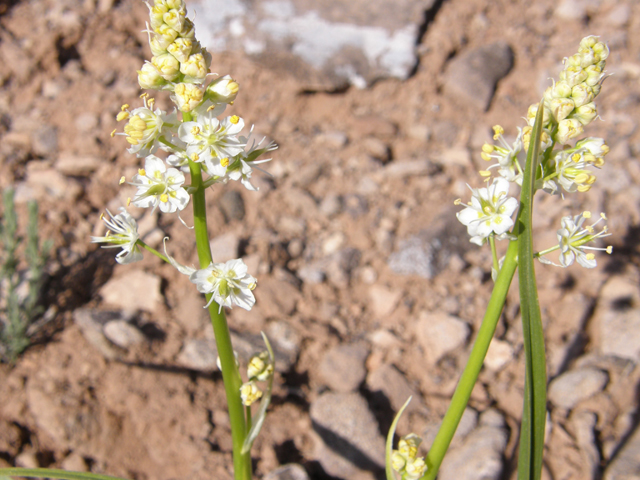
[(389, 447), (7, 473), (535, 388), (258, 419)]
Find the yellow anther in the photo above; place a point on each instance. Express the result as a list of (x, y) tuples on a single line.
[(128, 201), (252, 286), (581, 178), (484, 173), (589, 229), (457, 201), (591, 180), (497, 131), (485, 156), (211, 107), (132, 141), (603, 216), (609, 250), (598, 162), (151, 102), (113, 134), (102, 216), (195, 130), (575, 157), (142, 172), (164, 198), (144, 95), (584, 188), (234, 119), (586, 214), (195, 157), (122, 180), (488, 148), (124, 107), (224, 161), (122, 116)]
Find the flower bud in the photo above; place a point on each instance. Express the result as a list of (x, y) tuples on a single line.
[(561, 108), (594, 75), (573, 75), (586, 113), (195, 66), (167, 65), (155, 15), (581, 94), (175, 19), (180, 49), (567, 129), (188, 29), (223, 90), (149, 77), (187, 96)]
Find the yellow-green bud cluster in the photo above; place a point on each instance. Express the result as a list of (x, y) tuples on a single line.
[(177, 56), (405, 460), (569, 104), (260, 367)]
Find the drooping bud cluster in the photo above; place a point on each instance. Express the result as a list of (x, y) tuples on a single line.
[(405, 460)]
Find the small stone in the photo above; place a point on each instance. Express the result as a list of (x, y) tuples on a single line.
[(47, 184), (74, 462), (334, 140), (376, 148), (198, 355), (44, 141), (499, 355), (439, 334), (285, 342), (77, 165), (383, 300), (123, 334), (330, 205), (571, 10), (224, 247), (276, 297), (333, 243), (626, 464), (232, 205), (342, 368), (311, 274), (291, 471), (352, 440), (570, 388), (395, 387), (27, 459), (473, 76), (87, 122), (91, 323), (135, 290)]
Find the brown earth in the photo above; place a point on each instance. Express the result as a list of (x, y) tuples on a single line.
[(69, 66)]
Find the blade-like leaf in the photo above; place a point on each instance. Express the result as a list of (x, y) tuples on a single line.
[(261, 413), (389, 446), (7, 473), (535, 392)]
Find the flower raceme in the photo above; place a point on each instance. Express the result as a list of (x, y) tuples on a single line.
[(228, 283), (489, 211)]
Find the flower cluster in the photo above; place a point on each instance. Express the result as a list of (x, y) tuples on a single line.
[(405, 460), (568, 106), (260, 368), (197, 140)]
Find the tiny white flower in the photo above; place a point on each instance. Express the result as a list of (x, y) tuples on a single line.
[(229, 283), (489, 211), (211, 140), (573, 238), (223, 90), (123, 233), (160, 187)]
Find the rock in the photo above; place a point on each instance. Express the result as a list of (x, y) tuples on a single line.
[(383, 300), (224, 247), (626, 464), (77, 165), (292, 471), (91, 324), (334, 140), (135, 290), (44, 141), (198, 355), (75, 463), (472, 77), (480, 456), (395, 387), (342, 368), (326, 45), (429, 252), (572, 387), (333, 243), (499, 355), (439, 334), (351, 439), (330, 205), (584, 427), (123, 334), (232, 205), (276, 298), (28, 459), (46, 185), (285, 342), (618, 318)]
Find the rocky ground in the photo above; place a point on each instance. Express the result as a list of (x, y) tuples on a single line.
[(368, 287)]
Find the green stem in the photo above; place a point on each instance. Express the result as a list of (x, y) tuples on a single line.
[(153, 250), (230, 373), (471, 371)]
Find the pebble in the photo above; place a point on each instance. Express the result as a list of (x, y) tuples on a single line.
[(123, 334), (626, 464), (351, 439), (198, 355), (285, 342), (480, 456), (91, 323), (570, 388), (135, 290), (232, 205), (224, 247), (330, 205), (77, 165), (394, 385), (472, 77), (291, 471), (44, 141), (342, 368), (276, 297), (439, 334), (334, 140), (499, 355), (45, 185), (383, 300), (74, 462)]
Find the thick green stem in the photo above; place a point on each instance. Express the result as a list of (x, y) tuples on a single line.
[(230, 373), (471, 371)]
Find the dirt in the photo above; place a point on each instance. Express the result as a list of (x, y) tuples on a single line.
[(69, 66)]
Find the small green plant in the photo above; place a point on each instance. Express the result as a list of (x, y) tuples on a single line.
[(18, 311)]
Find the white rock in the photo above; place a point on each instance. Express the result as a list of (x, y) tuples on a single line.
[(439, 334), (500, 353), (135, 290), (123, 334), (573, 386)]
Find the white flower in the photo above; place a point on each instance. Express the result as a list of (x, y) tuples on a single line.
[(242, 167), (159, 187), (123, 233), (489, 211), (572, 239), (145, 127), (229, 283), (210, 140), (223, 90)]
